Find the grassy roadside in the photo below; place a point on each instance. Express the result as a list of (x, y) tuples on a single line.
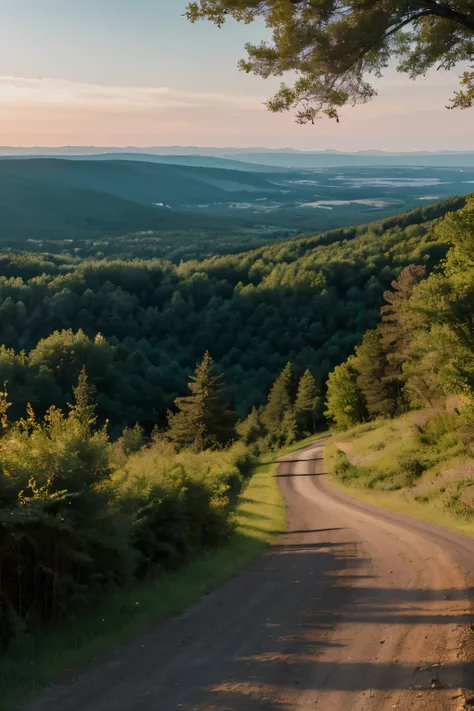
[(36, 662), (389, 465)]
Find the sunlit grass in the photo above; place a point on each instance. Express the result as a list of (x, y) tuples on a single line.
[(377, 450)]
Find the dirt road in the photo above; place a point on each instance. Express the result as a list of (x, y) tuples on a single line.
[(355, 609)]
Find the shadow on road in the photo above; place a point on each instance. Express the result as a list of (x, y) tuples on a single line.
[(323, 591)]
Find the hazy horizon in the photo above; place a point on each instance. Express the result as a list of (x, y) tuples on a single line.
[(223, 150)]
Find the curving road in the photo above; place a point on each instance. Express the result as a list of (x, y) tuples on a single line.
[(355, 609)]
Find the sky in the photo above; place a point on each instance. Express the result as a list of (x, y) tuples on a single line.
[(136, 73)]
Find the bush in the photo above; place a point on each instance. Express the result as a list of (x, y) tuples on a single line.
[(344, 469), (59, 539), (78, 514), (411, 468), (179, 503)]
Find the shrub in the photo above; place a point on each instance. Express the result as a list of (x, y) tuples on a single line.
[(411, 468), (344, 469), (179, 502), (59, 539), (78, 514)]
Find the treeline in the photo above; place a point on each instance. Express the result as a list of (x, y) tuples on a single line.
[(139, 327), (423, 349)]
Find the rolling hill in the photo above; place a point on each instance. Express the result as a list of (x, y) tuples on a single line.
[(34, 208), (140, 181)]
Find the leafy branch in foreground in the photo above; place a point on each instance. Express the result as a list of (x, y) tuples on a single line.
[(332, 45)]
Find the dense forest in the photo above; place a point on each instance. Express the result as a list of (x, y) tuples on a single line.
[(422, 351), (140, 326)]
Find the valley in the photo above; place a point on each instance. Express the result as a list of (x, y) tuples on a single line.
[(133, 208)]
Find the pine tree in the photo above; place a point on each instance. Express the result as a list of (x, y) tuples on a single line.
[(279, 416), (306, 404), (379, 391), (83, 409), (395, 332), (202, 420)]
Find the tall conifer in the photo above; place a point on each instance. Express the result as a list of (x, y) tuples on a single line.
[(380, 392), (279, 415), (306, 404), (202, 420)]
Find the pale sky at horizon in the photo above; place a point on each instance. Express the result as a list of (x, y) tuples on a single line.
[(135, 72)]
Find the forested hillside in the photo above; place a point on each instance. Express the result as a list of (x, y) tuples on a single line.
[(417, 366), (139, 327)]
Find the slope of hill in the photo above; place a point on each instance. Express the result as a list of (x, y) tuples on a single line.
[(308, 301), (196, 161), (142, 182), (33, 208), (404, 400)]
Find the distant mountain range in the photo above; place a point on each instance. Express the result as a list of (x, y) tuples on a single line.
[(257, 159), (206, 151)]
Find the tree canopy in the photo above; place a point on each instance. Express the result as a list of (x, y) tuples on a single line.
[(333, 45)]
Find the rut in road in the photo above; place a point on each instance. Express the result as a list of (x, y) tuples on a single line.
[(354, 609)]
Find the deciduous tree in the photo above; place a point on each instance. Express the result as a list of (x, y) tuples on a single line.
[(334, 45), (344, 400)]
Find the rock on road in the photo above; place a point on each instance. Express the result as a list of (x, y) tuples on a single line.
[(354, 609)]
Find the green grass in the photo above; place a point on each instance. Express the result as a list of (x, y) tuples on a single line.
[(431, 512), (37, 661), (378, 452)]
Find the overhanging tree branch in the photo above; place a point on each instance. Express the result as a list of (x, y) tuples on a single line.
[(333, 44)]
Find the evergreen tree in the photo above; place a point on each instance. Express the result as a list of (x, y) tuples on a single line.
[(306, 404), (83, 409), (395, 330), (202, 420), (279, 415), (379, 391)]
